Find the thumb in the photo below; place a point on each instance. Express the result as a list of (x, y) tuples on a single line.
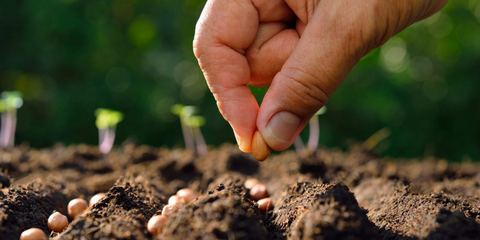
[(320, 61)]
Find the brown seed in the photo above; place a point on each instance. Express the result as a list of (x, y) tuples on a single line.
[(265, 204), (33, 234), (259, 191), (76, 206), (176, 200), (169, 210), (57, 222), (260, 149), (96, 198), (249, 183), (156, 224), (187, 194)]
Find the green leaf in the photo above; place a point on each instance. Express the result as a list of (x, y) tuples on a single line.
[(177, 109), (3, 106), (12, 100), (195, 121), (322, 111), (107, 118)]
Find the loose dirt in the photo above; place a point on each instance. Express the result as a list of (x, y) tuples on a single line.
[(328, 194)]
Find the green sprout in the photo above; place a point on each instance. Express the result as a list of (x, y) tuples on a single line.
[(191, 127), (106, 122), (314, 134), (195, 122), (376, 138), (9, 103)]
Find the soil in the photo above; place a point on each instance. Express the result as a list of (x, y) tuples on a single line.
[(328, 194)]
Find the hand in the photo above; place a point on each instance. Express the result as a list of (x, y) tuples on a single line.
[(240, 42)]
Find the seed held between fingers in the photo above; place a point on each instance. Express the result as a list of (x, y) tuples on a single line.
[(265, 204), (156, 224), (33, 234), (187, 194), (260, 149), (259, 191), (57, 222), (76, 206)]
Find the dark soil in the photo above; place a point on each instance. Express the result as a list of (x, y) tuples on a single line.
[(325, 195)]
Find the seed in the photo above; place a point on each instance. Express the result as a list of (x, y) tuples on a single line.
[(33, 234), (260, 149), (187, 194), (156, 224), (57, 222), (265, 204), (76, 206), (259, 191), (96, 198), (169, 210), (249, 183), (176, 200)]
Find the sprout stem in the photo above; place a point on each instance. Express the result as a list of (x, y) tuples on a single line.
[(314, 133), (377, 137), (3, 133), (106, 122), (299, 146), (9, 123), (187, 135), (201, 145), (107, 138)]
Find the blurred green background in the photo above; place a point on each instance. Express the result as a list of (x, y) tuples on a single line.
[(69, 57)]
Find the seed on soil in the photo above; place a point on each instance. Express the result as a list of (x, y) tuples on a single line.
[(259, 191), (169, 210), (265, 204), (156, 224), (249, 183), (96, 198), (260, 149), (57, 222), (176, 200), (187, 194), (76, 206), (33, 234)]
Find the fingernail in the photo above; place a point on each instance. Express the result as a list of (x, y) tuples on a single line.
[(240, 142), (282, 126)]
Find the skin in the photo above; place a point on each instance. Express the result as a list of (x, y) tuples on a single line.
[(241, 42)]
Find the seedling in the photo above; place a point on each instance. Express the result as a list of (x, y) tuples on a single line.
[(195, 122), (314, 134), (107, 121), (9, 103), (376, 138), (184, 112), (191, 127)]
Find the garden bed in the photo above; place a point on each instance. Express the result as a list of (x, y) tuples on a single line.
[(326, 195)]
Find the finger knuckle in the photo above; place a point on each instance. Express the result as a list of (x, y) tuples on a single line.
[(307, 91)]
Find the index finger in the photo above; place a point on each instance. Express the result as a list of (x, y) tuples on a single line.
[(225, 29)]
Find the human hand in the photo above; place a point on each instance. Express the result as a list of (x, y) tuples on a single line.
[(240, 42)]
